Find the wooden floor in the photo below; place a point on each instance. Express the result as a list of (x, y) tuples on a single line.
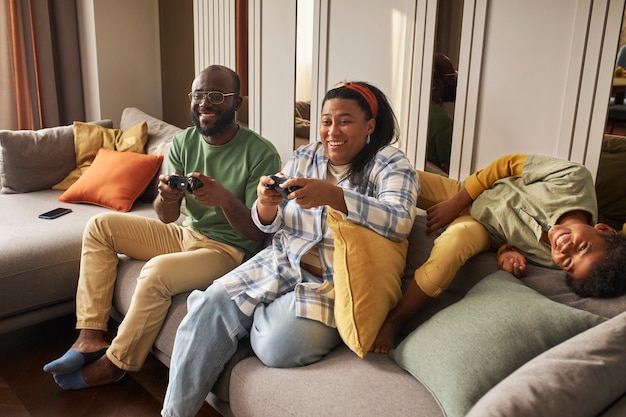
[(27, 391)]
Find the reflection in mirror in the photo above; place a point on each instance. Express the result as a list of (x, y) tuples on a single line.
[(443, 87), (439, 120), (610, 190), (304, 63)]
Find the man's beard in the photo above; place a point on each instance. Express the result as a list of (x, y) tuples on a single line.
[(225, 118)]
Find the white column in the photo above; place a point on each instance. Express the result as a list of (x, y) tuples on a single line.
[(214, 33)]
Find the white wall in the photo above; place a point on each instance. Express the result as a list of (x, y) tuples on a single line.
[(272, 45), (374, 44), (214, 30), (304, 48), (534, 75), (539, 59), (120, 53), (523, 81)]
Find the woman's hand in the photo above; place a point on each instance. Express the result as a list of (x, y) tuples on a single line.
[(311, 192), (266, 195), (268, 199), (315, 192)]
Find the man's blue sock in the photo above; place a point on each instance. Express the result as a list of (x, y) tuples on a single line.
[(71, 381), (73, 360)]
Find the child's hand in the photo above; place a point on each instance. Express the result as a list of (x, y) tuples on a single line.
[(443, 213), (514, 262)]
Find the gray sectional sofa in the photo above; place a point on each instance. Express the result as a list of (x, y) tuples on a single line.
[(566, 358)]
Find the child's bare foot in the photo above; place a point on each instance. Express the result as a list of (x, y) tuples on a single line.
[(386, 339), (412, 301)]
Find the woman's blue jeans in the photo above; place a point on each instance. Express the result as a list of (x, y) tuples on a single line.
[(209, 334)]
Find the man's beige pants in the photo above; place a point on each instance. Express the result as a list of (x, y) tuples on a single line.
[(178, 260)]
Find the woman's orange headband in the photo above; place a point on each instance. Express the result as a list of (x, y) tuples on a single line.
[(365, 92)]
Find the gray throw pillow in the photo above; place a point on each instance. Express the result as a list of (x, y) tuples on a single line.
[(578, 378), (33, 160), (467, 348)]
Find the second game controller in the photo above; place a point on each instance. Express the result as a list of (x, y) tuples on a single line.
[(283, 191)]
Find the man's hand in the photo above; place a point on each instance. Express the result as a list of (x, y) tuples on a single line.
[(167, 203), (212, 193), (514, 262), (168, 195)]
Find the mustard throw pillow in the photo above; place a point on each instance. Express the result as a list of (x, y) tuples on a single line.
[(89, 138), (368, 271)]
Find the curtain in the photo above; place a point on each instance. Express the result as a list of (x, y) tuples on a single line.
[(40, 79)]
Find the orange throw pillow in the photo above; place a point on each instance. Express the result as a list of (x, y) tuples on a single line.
[(89, 138), (114, 179)]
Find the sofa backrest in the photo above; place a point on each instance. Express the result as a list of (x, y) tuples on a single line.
[(160, 135)]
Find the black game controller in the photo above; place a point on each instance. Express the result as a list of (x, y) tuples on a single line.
[(276, 186), (189, 184)]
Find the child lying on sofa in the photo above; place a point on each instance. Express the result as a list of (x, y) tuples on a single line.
[(529, 207)]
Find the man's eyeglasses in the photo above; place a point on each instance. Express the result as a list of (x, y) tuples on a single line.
[(214, 97)]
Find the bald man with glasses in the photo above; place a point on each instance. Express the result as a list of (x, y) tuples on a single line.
[(214, 168)]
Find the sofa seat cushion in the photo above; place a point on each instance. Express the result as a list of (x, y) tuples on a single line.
[(341, 384), (40, 258)]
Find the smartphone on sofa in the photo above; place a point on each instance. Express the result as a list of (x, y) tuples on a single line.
[(53, 214)]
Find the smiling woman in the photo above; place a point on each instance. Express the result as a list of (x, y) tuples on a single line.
[(283, 298)]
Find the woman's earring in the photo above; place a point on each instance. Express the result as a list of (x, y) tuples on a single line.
[(367, 140)]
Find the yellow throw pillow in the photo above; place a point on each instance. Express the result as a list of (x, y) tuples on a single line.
[(89, 138), (114, 179), (368, 272)]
